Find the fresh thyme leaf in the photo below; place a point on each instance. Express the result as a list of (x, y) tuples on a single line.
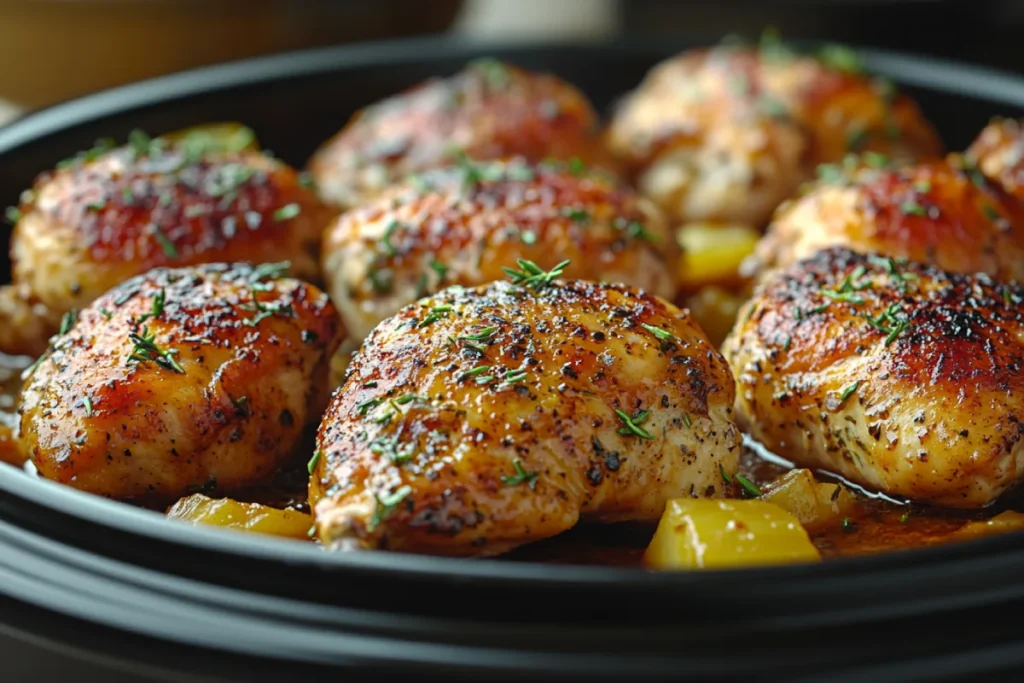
[(165, 242), (912, 208), (157, 306), (520, 477), (385, 506), (368, 405), (533, 276), (725, 475), (314, 461), (435, 314), (580, 216), (87, 402), (145, 350), (848, 392), (750, 489), (107, 315), (633, 424), (287, 212), (385, 239), (662, 335), (68, 321), (269, 271), (483, 335), (479, 369)]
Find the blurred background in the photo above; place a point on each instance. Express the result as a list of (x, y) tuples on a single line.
[(51, 50)]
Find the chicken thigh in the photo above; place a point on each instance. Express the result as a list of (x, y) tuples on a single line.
[(481, 419), (944, 213), (488, 110), (998, 153), (726, 134), (899, 376), (462, 224), (112, 213), (180, 379)]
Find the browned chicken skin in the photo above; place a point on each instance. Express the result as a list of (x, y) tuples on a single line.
[(944, 213), (899, 376), (726, 134), (998, 152), (112, 213), (488, 110), (181, 378), (482, 419), (463, 224)]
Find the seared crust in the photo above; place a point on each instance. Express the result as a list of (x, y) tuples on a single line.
[(944, 213), (726, 134), (899, 376), (488, 110), (111, 214), (482, 419), (463, 224), (245, 370)]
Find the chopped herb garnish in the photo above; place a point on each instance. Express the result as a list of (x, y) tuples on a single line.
[(269, 271), (264, 309), (990, 212), (494, 72), (532, 275), (841, 58), (439, 268), (68, 321), (385, 239), (479, 369), (636, 230), (435, 314), (514, 377), (576, 166), (890, 321), (578, 215), (385, 506), (165, 242), (905, 516), (520, 477), (857, 139), (382, 280), (145, 350), (662, 335), (527, 237), (107, 315), (368, 405), (725, 475), (287, 212), (848, 392), (314, 461), (750, 489), (912, 208), (13, 214), (633, 424), (87, 402), (157, 306), (686, 420), (483, 335)]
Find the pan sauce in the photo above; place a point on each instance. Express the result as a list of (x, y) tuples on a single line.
[(877, 524)]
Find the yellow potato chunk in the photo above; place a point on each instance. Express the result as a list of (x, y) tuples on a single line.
[(1002, 523), (701, 533), (714, 309), (812, 502), (713, 253), (232, 514)]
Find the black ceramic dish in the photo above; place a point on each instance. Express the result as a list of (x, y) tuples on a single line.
[(96, 589)]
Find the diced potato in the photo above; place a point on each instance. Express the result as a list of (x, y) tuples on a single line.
[(232, 514), (1002, 523), (713, 253), (714, 309), (222, 137), (812, 502), (719, 534)]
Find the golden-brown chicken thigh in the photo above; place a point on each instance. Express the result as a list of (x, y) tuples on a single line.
[(944, 213), (726, 134), (488, 110), (463, 224), (998, 152), (112, 213), (899, 376), (482, 419), (181, 378)]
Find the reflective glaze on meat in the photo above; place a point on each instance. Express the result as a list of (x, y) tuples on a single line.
[(726, 134), (463, 224), (899, 376), (112, 213), (195, 377), (482, 419), (945, 213), (488, 110)]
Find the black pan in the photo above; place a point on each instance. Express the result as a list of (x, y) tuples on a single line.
[(98, 590)]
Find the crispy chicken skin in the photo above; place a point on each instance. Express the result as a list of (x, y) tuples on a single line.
[(998, 152), (897, 375), (488, 110), (944, 213), (464, 223), (110, 214), (482, 419), (726, 134), (181, 378)]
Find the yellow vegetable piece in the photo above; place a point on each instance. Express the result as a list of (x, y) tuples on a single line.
[(232, 514), (714, 309), (720, 534), (812, 502), (215, 137), (1003, 523), (713, 253)]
